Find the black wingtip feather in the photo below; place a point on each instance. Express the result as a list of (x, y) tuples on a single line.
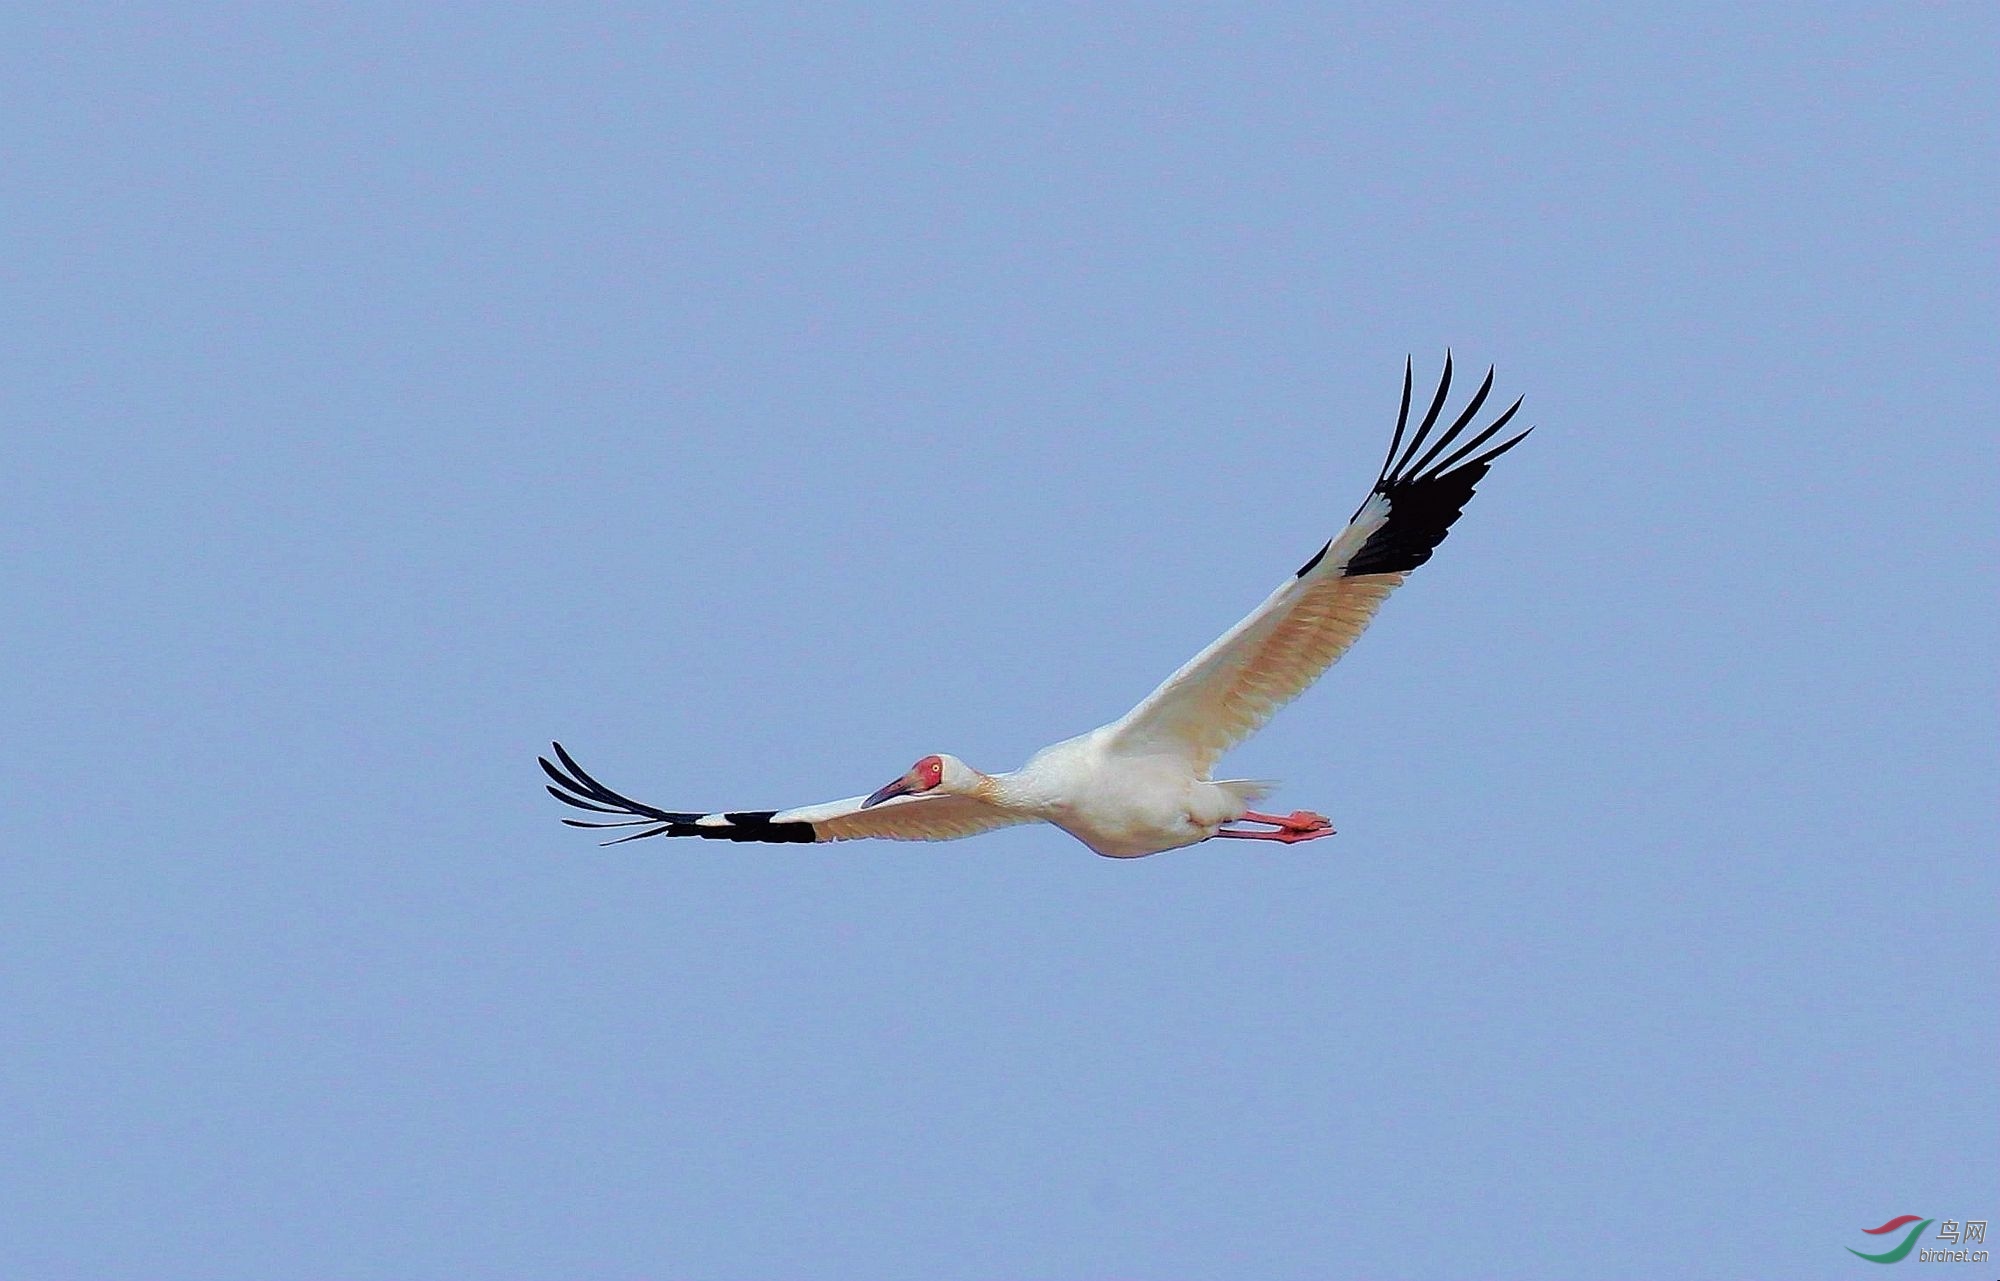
[(1402, 415), (665, 829), (575, 786), (567, 799), (1452, 433), (1427, 493), (1484, 436), (1430, 421), (585, 792)]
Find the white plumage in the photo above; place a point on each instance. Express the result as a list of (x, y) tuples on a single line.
[(1141, 784)]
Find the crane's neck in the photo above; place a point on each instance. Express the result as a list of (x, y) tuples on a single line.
[(1017, 791), (1011, 792)]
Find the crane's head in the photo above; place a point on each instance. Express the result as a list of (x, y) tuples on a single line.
[(931, 774)]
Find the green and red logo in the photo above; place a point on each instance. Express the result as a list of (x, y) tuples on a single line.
[(1896, 1254)]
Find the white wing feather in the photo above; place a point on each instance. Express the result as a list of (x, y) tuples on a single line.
[(1228, 691), (930, 817)]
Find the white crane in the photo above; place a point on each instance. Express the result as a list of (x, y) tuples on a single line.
[(1141, 784)]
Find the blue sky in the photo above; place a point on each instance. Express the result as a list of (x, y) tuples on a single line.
[(759, 401)]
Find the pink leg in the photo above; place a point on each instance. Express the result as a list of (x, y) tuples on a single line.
[(1289, 835), (1296, 821)]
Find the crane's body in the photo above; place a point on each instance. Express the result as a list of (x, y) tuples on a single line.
[(1119, 804), (1142, 784)]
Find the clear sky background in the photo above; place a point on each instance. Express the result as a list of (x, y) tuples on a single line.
[(758, 402)]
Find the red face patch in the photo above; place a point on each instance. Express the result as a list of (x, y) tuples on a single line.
[(931, 770)]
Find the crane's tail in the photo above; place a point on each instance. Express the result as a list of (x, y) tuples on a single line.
[(1247, 790)]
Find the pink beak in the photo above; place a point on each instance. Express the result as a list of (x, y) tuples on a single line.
[(901, 787)]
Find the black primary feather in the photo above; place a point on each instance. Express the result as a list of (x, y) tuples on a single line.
[(1426, 493), (574, 786), (1426, 488)]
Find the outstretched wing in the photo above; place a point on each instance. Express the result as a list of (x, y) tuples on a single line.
[(1226, 692), (930, 817)]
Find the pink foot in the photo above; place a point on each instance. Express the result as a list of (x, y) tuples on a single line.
[(1288, 835), (1296, 821)]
